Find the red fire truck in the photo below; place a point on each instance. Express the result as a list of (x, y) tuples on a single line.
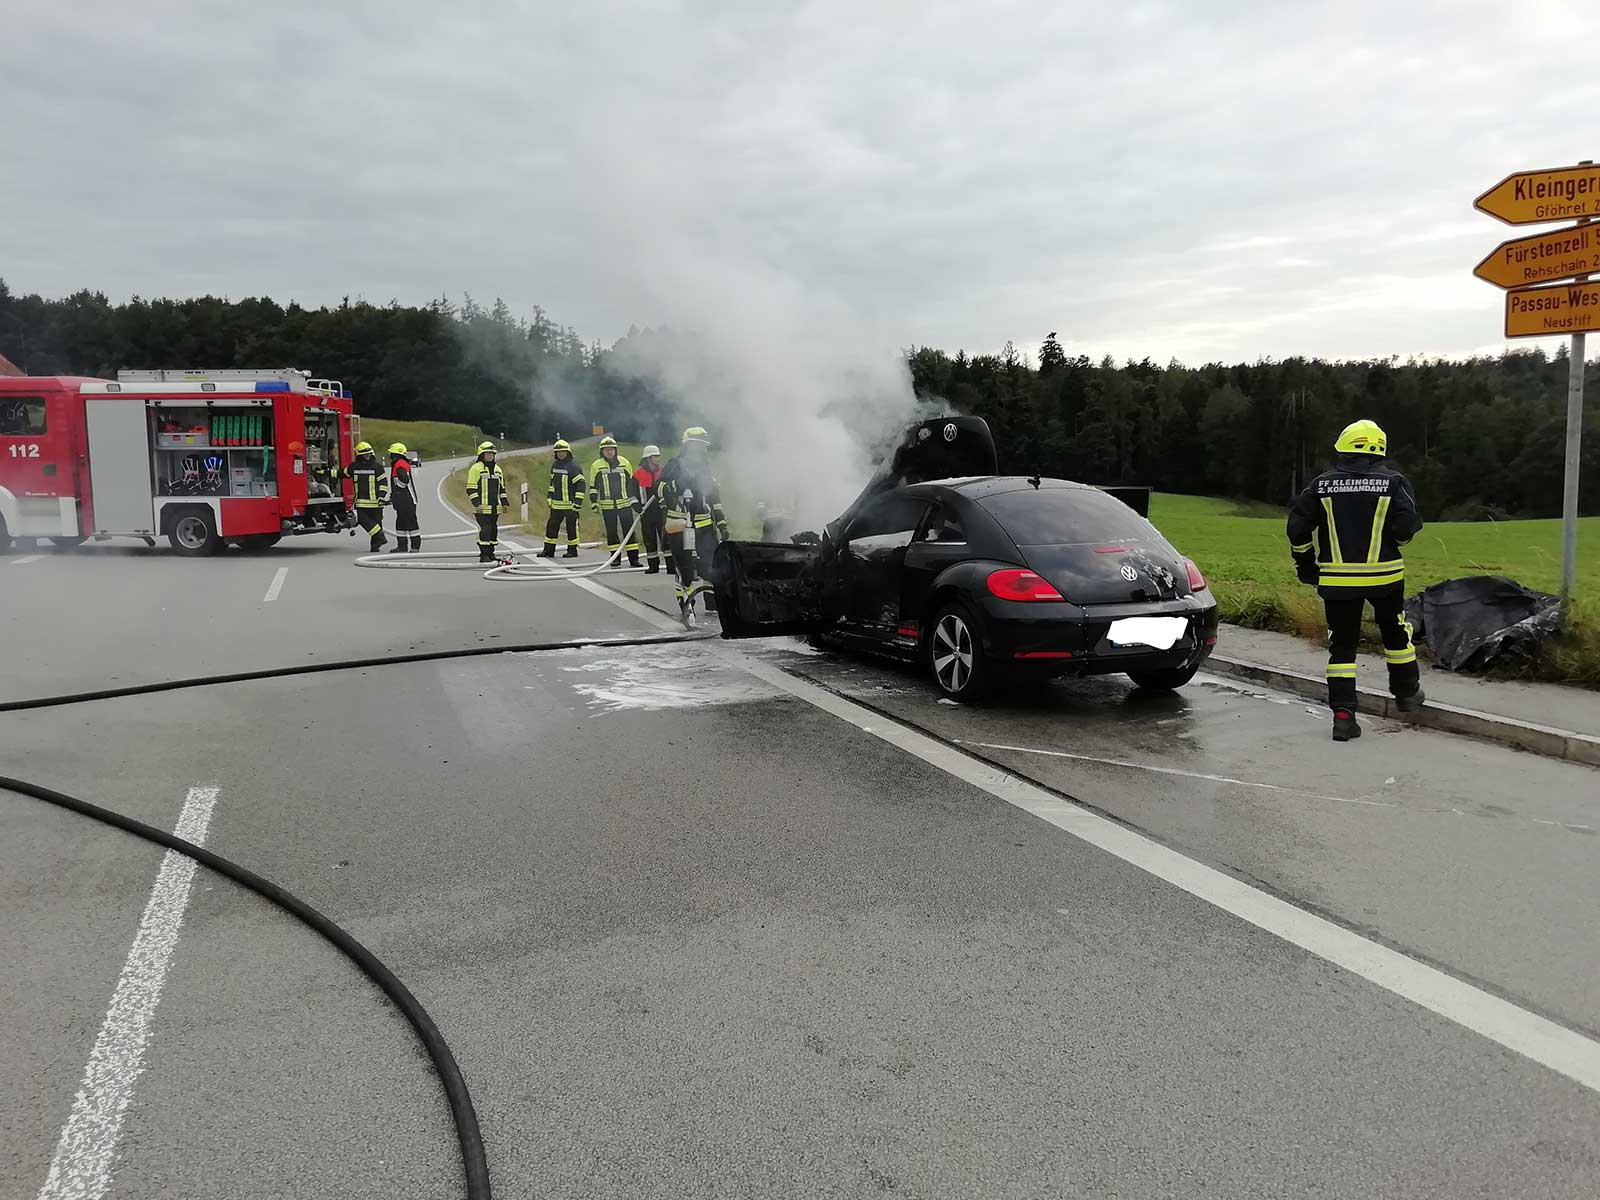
[(205, 458)]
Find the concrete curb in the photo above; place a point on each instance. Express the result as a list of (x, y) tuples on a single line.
[(1537, 739)]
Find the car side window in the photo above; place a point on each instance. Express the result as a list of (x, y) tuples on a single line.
[(944, 526), (886, 523)]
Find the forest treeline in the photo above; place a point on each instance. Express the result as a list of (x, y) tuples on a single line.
[(1482, 438)]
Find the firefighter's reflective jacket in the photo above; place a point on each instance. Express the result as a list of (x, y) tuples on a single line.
[(566, 490), (372, 484), (403, 489), (486, 488), (691, 496), (611, 484), (1352, 520)]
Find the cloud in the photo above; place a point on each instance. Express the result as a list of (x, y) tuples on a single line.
[(918, 173)]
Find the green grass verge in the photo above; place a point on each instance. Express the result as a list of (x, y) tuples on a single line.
[(1245, 556), (431, 439)]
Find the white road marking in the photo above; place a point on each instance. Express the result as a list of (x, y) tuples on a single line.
[(1543, 1041), (1134, 766), (26, 559), (626, 603), (276, 585), (86, 1150)]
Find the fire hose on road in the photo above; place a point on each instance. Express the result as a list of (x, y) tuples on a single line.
[(509, 569)]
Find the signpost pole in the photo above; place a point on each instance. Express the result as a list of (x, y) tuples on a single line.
[(1569, 487), (1569, 482)]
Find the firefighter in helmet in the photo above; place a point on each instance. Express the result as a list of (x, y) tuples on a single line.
[(692, 498), (1345, 533), (403, 496), (615, 496), (652, 520), (565, 498), (372, 493), (486, 492)]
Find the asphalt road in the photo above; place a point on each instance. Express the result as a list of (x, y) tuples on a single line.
[(691, 933)]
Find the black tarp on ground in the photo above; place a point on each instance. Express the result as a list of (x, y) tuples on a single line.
[(1469, 623)]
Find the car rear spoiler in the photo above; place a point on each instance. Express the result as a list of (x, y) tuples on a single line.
[(1136, 498)]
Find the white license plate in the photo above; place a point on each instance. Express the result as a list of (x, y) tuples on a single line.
[(1159, 633)]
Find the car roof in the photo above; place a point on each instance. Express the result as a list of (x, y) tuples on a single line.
[(976, 487)]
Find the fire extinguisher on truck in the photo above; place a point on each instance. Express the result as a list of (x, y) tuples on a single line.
[(205, 458)]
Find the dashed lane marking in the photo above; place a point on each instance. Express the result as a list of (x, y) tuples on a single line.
[(276, 585), (26, 559), (87, 1148)]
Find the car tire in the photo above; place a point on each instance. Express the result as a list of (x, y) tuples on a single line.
[(955, 654), (1167, 679), (255, 543), (192, 534), (5, 537)]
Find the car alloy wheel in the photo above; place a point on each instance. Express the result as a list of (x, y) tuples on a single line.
[(952, 653)]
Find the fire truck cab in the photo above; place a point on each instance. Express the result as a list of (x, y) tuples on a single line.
[(204, 458)]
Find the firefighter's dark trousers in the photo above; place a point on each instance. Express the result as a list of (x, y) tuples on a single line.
[(371, 520), (692, 556), (552, 527), (618, 522), (406, 530), (1343, 608), (653, 532), (488, 535)]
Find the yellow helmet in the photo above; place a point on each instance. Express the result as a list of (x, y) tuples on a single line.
[(363, 447), (562, 444), (608, 440), (485, 447), (696, 434), (398, 448), (1363, 437)]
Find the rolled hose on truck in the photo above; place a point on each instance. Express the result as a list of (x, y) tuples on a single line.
[(474, 1161), (467, 560)]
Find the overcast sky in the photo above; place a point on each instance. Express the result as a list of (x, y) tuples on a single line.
[(1201, 180)]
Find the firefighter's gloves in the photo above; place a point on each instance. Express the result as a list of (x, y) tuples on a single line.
[(1305, 569), (722, 531)]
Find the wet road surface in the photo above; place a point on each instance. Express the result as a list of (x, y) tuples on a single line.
[(691, 934)]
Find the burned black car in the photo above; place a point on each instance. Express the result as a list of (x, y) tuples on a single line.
[(979, 575)]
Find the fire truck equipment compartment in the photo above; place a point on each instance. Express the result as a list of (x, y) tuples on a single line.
[(119, 467)]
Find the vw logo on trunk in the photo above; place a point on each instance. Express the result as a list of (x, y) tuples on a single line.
[(1128, 572)]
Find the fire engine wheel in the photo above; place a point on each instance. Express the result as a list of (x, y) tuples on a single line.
[(192, 534), (254, 543), (5, 537)]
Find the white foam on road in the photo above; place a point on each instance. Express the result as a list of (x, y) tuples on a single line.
[(86, 1150), (1537, 1038), (649, 680), (276, 585)]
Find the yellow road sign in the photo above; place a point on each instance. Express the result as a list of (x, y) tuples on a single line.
[(1547, 311), (1556, 194), (1560, 254)]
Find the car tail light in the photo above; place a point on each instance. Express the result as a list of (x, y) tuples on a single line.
[(1197, 581), (1017, 583)]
